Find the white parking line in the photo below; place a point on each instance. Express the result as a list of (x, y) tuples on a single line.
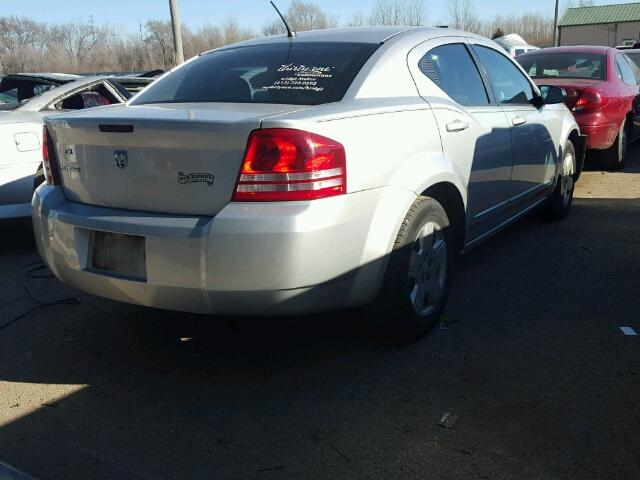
[(628, 331)]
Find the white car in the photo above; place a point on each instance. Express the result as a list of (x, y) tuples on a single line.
[(25, 99), (338, 168), (514, 44)]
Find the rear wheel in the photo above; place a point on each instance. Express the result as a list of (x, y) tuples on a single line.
[(614, 157), (418, 276), (559, 204)]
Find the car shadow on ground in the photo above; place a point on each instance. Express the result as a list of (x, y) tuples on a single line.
[(528, 359)]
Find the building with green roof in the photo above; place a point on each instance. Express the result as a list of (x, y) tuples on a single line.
[(609, 25)]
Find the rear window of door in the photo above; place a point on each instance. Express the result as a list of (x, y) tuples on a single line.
[(509, 85), (305, 73), (454, 71), (95, 95)]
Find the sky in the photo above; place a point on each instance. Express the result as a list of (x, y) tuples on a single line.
[(126, 14)]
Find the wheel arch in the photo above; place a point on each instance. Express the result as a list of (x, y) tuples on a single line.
[(448, 195)]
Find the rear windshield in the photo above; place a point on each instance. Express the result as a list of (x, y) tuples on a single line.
[(564, 65), (288, 73)]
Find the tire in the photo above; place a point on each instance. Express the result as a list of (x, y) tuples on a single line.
[(614, 157), (418, 277), (558, 205), (38, 178)]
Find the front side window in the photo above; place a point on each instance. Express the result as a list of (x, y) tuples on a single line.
[(453, 70), (300, 73), (564, 65), (509, 85)]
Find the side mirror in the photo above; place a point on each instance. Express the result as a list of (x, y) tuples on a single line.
[(552, 95)]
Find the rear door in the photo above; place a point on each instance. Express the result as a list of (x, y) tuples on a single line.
[(533, 129), (473, 129)]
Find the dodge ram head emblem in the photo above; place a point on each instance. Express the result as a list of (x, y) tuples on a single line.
[(121, 158)]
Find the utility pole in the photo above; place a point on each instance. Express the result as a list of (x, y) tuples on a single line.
[(555, 25), (177, 34)]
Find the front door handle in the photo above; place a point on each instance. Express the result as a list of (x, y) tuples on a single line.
[(457, 126), (518, 121)]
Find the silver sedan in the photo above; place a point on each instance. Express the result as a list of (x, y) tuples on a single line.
[(339, 168)]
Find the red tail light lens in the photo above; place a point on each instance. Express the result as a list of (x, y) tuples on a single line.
[(282, 164), (590, 99), (49, 163)]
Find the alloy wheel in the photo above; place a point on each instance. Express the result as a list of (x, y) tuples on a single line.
[(427, 269)]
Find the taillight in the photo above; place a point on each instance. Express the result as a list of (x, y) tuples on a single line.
[(590, 99), (282, 164), (49, 162)]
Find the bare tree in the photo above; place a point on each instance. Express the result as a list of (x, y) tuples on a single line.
[(301, 16), (397, 12), (27, 45), (358, 19), (232, 32), (160, 40), (22, 41), (462, 15), (535, 28)]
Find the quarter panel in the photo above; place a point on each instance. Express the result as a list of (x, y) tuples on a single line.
[(385, 148)]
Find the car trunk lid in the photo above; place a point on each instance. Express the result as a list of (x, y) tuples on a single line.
[(179, 159)]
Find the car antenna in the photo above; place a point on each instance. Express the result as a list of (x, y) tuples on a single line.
[(290, 33)]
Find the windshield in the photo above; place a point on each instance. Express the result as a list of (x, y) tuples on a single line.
[(565, 65), (285, 73), (15, 90)]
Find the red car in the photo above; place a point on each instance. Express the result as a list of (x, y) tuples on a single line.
[(602, 92)]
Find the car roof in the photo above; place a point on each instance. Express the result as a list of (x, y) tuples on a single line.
[(374, 35), (54, 77), (573, 49)]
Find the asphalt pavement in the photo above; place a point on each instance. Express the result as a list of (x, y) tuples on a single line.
[(529, 376)]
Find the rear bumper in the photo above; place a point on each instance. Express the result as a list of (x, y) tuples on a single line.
[(600, 137), (250, 259)]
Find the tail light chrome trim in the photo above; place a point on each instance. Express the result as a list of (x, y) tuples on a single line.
[(289, 187), (286, 177)]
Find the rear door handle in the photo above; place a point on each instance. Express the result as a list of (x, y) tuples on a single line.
[(518, 121), (457, 126)]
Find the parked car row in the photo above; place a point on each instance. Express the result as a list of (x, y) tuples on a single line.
[(291, 175), (25, 99)]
